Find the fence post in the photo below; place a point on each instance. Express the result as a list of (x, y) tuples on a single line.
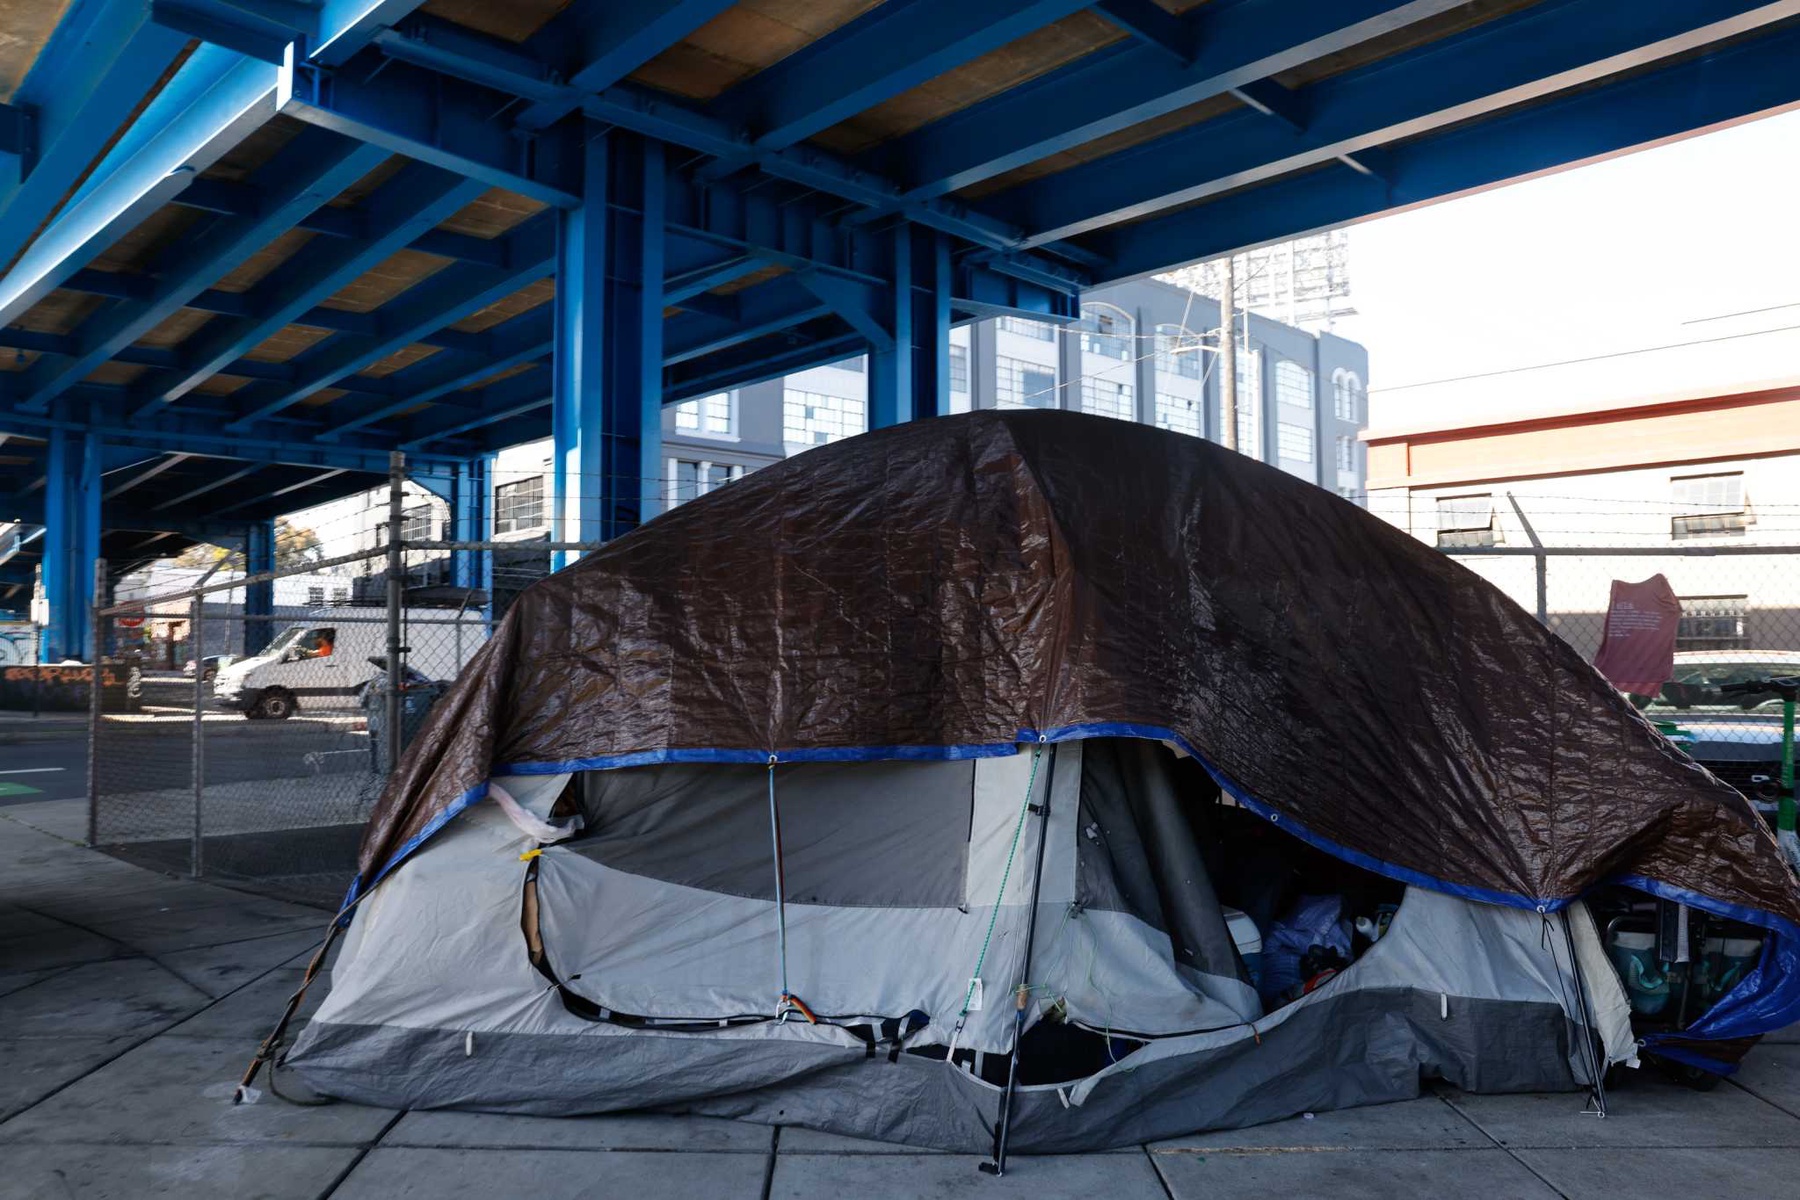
[(1540, 560), (396, 568), (93, 766), (197, 651)]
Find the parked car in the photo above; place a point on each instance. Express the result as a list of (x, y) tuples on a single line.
[(209, 665), (1737, 738)]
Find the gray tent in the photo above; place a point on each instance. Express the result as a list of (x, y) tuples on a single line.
[(864, 744), (659, 961)]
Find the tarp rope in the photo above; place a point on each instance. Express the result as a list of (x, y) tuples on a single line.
[(1012, 851), (789, 1003)]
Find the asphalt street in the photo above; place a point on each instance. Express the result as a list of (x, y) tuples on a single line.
[(51, 764)]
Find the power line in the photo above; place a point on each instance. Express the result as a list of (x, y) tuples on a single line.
[(1566, 362)]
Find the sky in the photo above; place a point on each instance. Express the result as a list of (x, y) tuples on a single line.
[(1647, 250)]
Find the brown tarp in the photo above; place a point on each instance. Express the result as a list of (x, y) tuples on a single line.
[(966, 581)]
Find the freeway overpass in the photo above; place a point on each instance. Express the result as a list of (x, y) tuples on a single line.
[(251, 246)]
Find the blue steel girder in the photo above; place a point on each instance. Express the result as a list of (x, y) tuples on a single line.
[(596, 43), (95, 76), (1733, 83), (810, 345), (313, 170), (888, 50), (1112, 89), (440, 120), (441, 378), (352, 224), (414, 200), (1516, 59), (779, 304), (101, 59), (424, 46), (441, 299), (515, 396), (210, 105), (194, 428)]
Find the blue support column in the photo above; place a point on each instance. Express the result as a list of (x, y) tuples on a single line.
[(71, 543), (909, 375), (606, 410), (259, 598), (471, 507)]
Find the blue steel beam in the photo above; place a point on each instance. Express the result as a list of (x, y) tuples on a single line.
[(445, 298), (259, 598), (1153, 25), (892, 48), (426, 46), (313, 170), (1731, 84), (606, 40), (244, 200), (195, 428), (1124, 85), (767, 308), (425, 116), (755, 362), (236, 26), (101, 60), (1516, 59), (524, 339), (413, 201), (213, 102), (526, 392)]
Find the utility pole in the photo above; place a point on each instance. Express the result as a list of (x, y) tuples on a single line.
[(1228, 358), (396, 571)]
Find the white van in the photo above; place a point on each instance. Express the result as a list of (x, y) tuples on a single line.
[(323, 661)]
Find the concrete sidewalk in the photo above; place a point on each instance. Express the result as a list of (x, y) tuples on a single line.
[(131, 1001)]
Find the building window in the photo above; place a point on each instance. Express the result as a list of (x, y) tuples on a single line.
[(1021, 384), (1041, 331), (1180, 414), (813, 418), (1346, 390), (519, 505), (1104, 398), (1466, 521), (340, 595), (1708, 505), (1249, 402), (1178, 352), (711, 416), (1293, 384), (688, 479), (415, 526), (315, 595), (1294, 442), (1346, 454), (959, 369), (1713, 623), (1351, 494), (1106, 331)]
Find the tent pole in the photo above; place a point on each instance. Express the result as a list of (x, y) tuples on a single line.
[(1597, 1074), (1022, 995)]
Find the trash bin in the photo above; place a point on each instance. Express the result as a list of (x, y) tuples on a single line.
[(417, 695)]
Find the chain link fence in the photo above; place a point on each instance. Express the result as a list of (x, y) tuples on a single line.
[(250, 748)]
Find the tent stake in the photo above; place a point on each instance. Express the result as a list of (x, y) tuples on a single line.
[(1022, 996)]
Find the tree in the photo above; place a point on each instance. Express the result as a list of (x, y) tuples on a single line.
[(295, 546)]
